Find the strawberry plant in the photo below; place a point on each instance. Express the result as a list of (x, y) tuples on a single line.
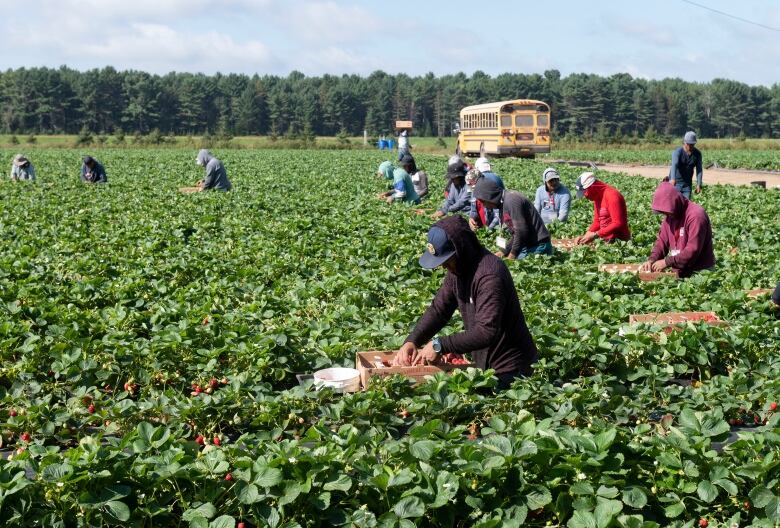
[(149, 345)]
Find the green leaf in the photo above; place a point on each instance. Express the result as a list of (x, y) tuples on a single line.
[(606, 510), (267, 477), (422, 449), (607, 492), (409, 507), (499, 444), (582, 519), (205, 510), (605, 439), (760, 496), (707, 491), (223, 521), (537, 497), (674, 510), (56, 472), (635, 497), (341, 483), (247, 493), (118, 510)]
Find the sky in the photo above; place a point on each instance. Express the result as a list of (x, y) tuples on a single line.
[(651, 39)]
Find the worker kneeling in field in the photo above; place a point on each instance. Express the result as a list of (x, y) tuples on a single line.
[(479, 215), (684, 242), (517, 213), (610, 216), (403, 188), (552, 198), (419, 178), (22, 169), (216, 175), (479, 285), (458, 198), (92, 171)]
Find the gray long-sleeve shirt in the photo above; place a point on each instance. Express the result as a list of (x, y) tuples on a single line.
[(458, 200), (216, 175), (683, 165)]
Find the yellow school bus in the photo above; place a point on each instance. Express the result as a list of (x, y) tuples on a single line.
[(506, 128)]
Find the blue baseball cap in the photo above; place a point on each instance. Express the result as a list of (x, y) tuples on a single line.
[(440, 249)]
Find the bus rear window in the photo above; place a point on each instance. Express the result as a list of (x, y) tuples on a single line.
[(542, 120), (506, 120), (524, 120)]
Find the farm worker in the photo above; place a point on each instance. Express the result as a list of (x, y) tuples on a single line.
[(492, 217), (458, 198), (454, 161), (776, 296), (216, 175), (552, 199), (22, 169), (403, 144), (403, 188), (517, 213), (479, 285), (684, 160), (684, 242), (610, 216), (419, 178), (92, 171)]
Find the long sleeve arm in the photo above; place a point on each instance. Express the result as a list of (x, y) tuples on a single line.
[(674, 173), (618, 215), (699, 171), (462, 200), (521, 229), (211, 176), (563, 211), (660, 247), (489, 308), (437, 315), (594, 227)]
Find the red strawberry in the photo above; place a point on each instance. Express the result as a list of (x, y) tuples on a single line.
[(703, 523), (746, 504), (241, 525), (472, 437), (205, 321), (213, 383), (200, 440), (25, 437), (773, 406), (217, 441), (404, 413), (91, 409), (12, 413), (229, 477)]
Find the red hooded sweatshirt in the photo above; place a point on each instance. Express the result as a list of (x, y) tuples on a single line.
[(610, 216), (685, 238)]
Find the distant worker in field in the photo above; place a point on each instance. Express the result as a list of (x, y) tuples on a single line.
[(22, 169), (776, 296), (684, 160), (552, 199), (92, 171), (684, 242), (419, 178), (403, 144), (216, 175), (517, 213), (481, 217), (458, 198), (610, 215), (479, 285), (402, 187)]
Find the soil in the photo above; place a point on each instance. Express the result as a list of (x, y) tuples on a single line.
[(711, 176)]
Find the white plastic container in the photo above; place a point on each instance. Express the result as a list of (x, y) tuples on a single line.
[(338, 378)]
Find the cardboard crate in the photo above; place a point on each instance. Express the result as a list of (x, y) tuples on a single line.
[(634, 268), (758, 292), (188, 190), (674, 320), (365, 363), (403, 124), (564, 244)]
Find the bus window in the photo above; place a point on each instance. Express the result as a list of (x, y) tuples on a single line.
[(506, 121), (524, 120), (542, 120)]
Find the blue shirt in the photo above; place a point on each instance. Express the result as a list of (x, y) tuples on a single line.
[(683, 165)]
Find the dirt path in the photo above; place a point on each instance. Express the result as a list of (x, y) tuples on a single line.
[(711, 176)]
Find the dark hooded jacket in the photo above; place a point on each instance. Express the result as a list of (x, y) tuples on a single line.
[(517, 214), (483, 291), (97, 174), (776, 294), (216, 175), (685, 238)]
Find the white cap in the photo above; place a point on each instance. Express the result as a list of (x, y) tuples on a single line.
[(453, 160), (585, 180), (482, 164)]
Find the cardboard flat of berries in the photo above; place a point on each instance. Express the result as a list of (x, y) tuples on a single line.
[(368, 363)]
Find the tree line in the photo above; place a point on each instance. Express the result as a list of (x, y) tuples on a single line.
[(107, 101)]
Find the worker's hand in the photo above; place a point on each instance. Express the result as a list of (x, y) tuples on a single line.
[(646, 266), (659, 265), (437, 214), (389, 199), (426, 356), (499, 254), (587, 238), (511, 256), (381, 195), (672, 181), (404, 356), (698, 189), (473, 224)]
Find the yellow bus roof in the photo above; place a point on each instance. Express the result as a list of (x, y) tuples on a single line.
[(495, 107)]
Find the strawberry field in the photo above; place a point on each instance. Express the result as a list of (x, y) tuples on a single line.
[(723, 158), (150, 341)]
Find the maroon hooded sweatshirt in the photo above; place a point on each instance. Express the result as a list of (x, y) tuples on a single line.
[(483, 291), (685, 238)]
